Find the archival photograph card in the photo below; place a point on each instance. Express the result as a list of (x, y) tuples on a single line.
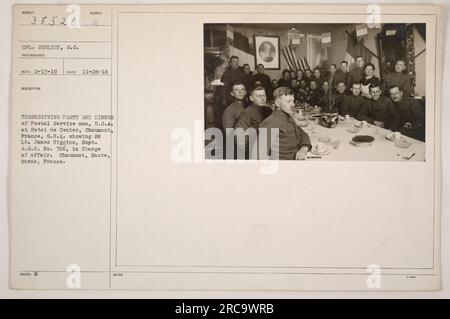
[(225, 147)]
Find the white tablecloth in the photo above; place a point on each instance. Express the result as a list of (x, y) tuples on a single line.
[(382, 149)]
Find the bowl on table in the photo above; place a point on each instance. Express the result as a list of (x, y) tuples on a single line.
[(362, 140)]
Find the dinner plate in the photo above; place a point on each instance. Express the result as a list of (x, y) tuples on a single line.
[(353, 130), (361, 125), (391, 137), (325, 139), (403, 144), (327, 150)]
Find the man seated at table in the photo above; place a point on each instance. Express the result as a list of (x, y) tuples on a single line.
[(351, 104), (399, 78), (317, 76), (285, 78), (303, 85), (294, 85), (340, 93), (253, 115), (411, 119), (273, 86), (378, 110), (315, 93), (291, 142), (233, 111), (302, 91), (308, 76)]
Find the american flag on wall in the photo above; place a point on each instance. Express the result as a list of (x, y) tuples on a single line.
[(295, 52)]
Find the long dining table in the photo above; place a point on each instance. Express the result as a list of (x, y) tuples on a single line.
[(339, 138)]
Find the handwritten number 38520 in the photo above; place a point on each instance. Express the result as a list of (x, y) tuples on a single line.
[(55, 20)]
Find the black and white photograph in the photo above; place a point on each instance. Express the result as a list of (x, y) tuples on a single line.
[(322, 91)]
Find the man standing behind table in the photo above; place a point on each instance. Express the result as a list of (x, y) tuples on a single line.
[(291, 142), (248, 76), (399, 78), (356, 75), (351, 104), (232, 74), (332, 76), (411, 120), (379, 110), (342, 74), (253, 115), (262, 78)]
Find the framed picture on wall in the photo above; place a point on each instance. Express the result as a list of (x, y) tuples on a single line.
[(267, 51)]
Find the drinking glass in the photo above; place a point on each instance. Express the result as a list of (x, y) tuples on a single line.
[(311, 124), (303, 121)]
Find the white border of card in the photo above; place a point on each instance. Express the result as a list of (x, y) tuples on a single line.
[(137, 220)]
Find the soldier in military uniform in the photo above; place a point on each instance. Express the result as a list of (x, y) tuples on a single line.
[(291, 142)]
